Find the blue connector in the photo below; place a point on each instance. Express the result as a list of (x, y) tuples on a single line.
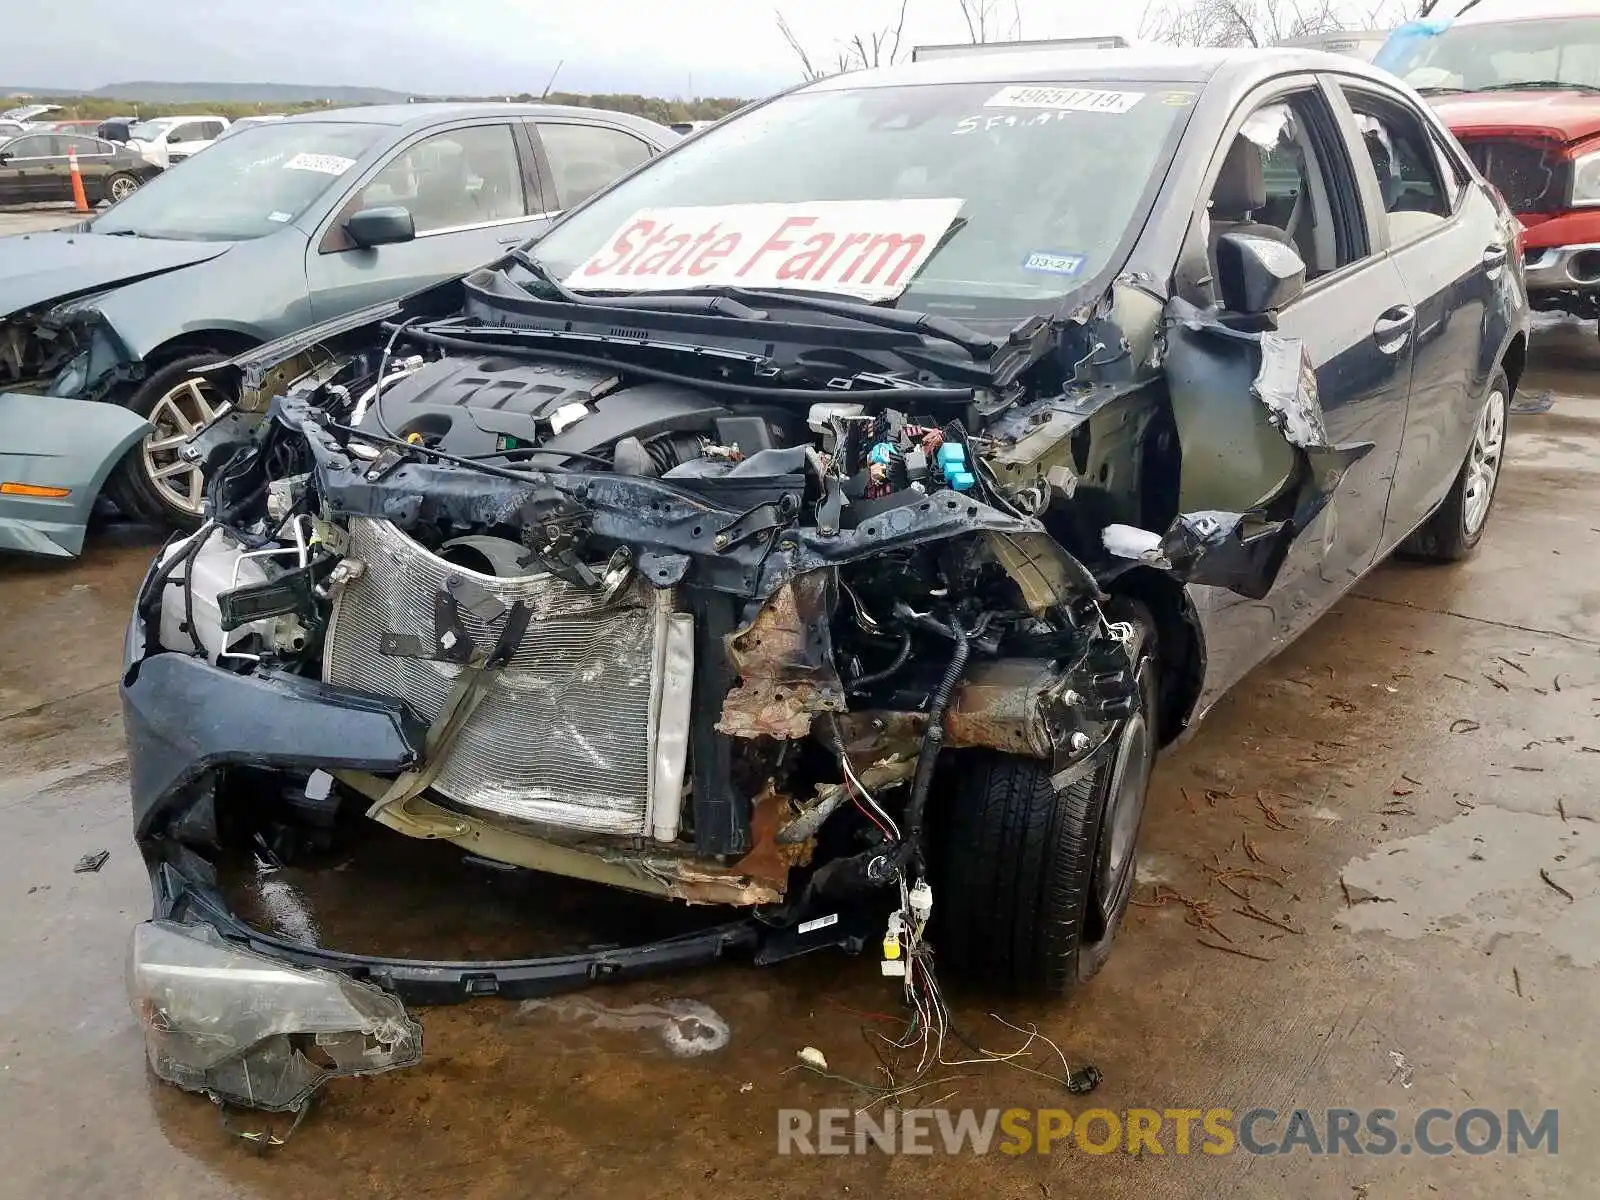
[(882, 454), (952, 461)]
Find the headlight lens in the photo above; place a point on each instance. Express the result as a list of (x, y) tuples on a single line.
[(72, 378), (237, 1025), (1586, 179)]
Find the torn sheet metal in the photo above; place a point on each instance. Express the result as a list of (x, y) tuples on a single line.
[(252, 1032), (1257, 466)]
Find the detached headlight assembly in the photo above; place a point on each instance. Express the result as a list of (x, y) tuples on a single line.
[(1586, 179), (72, 378), (248, 1031)]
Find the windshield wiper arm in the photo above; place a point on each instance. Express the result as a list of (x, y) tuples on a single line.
[(1539, 85), (909, 320), (714, 304), (729, 301)]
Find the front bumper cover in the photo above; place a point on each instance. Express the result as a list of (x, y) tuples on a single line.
[(185, 717)]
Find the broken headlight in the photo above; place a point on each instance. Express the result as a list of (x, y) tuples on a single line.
[(249, 1031)]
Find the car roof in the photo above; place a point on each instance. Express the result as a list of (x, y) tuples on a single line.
[(1136, 64), (413, 117)]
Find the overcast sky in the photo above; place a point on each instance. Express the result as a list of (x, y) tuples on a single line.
[(480, 47)]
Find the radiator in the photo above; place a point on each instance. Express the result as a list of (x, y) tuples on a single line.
[(564, 735)]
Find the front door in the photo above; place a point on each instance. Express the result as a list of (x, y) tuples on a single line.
[(1351, 321), (25, 176), (466, 189)]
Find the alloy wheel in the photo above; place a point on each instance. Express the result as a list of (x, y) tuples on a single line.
[(122, 187), (178, 416), (1483, 463)]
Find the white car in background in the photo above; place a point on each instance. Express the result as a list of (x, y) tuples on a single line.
[(164, 141), (244, 123)]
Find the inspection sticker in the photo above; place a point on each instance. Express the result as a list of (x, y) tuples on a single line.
[(280, 217), (1054, 264), (1064, 99), (327, 164), (871, 249)]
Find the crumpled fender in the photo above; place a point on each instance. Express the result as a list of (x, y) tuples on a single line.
[(58, 443)]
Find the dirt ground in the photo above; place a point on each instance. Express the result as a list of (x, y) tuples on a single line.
[(1409, 796)]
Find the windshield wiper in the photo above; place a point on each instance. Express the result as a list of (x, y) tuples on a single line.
[(732, 302), (1439, 90), (1540, 85)]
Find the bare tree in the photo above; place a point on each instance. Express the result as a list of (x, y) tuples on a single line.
[(987, 21), (1256, 22), (875, 48)]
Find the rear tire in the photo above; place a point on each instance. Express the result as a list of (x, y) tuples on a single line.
[(120, 186), (171, 398), (1455, 530), (1031, 884)]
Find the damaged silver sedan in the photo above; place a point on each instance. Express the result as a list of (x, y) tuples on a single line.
[(830, 523)]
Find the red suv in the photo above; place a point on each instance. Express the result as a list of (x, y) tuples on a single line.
[(1521, 90)]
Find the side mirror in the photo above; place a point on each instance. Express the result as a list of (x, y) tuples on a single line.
[(5, 156), (175, 136), (1257, 276), (382, 225)]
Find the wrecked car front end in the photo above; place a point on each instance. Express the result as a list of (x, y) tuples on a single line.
[(711, 597)]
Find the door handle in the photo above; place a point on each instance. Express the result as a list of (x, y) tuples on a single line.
[(1393, 327), (1495, 256)]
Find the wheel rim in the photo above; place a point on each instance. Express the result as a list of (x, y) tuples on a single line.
[(1125, 797), (178, 416), (1483, 463), (123, 187)]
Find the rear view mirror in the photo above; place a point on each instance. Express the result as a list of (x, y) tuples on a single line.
[(1257, 275), (382, 225)]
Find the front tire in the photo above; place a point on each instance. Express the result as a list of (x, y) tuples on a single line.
[(1031, 884), (154, 483), (1455, 530)]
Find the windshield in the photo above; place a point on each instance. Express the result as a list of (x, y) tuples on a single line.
[(243, 187), (1020, 193), (1496, 55)]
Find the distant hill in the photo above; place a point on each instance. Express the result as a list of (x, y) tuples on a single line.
[(151, 92)]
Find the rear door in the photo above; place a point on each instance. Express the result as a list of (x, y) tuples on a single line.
[(1349, 326), (467, 191), (1443, 235), (578, 158)]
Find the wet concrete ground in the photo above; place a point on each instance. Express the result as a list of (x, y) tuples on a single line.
[(1409, 797), (34, 218)]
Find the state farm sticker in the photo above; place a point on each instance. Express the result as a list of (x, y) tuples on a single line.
[(871, 249), (1063, 99)]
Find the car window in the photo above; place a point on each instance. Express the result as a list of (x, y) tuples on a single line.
[(37, 145), (1403, 158), (1450, 174), (85, 146), (586, 158), (211, 130), (1284, 176), (453, 179)]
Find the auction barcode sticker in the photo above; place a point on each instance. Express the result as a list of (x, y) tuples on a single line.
[(328, 164), (1064, 99)]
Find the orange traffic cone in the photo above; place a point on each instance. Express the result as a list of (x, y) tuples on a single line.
[(79, 200)]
